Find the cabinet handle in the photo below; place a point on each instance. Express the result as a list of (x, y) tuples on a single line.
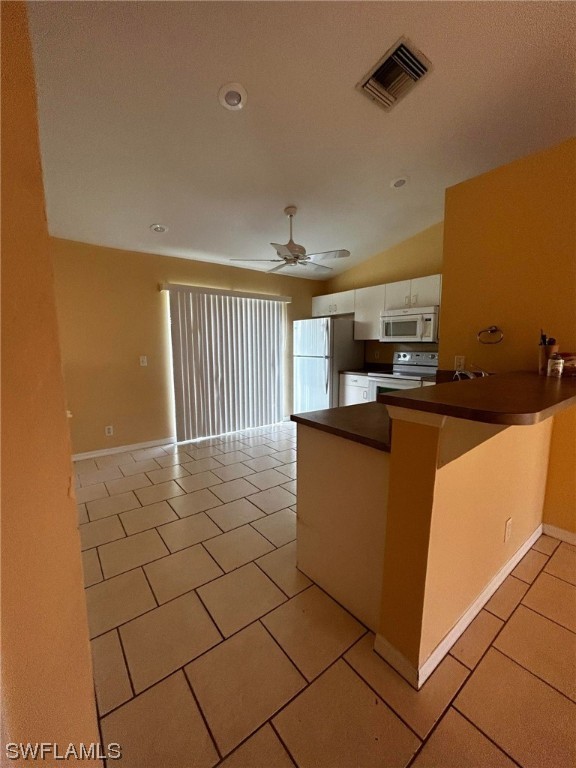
[(406, 301), (414, 299), (365, 395)]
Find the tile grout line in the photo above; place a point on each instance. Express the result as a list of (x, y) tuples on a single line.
[(559, 578), (288, 597), (543, 616), (386, 704), (125, 657), (534, 674), (281, 740), (202, 715), (490, 739)]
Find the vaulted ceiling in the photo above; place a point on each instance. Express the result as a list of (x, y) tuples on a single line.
[(132, 132)]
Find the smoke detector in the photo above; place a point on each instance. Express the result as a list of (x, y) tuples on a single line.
[(395, 74), (232, 96)]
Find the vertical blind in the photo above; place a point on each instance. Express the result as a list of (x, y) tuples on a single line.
[(228, 360)]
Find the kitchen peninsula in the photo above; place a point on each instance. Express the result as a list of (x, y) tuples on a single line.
[(414, 535)]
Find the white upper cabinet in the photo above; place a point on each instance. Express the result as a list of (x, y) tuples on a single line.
[(419, 292), (425, 291), (368, 303), (341, 303), (398, 295)]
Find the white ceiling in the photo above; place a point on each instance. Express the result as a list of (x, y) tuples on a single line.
[(132, 132)]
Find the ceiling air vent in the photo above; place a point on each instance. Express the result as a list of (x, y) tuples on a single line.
[(395, 74)]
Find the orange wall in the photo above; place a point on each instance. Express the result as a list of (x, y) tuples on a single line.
[(111, 312), (510, 260), (47, 692)]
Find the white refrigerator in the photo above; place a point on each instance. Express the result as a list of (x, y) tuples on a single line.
[(322, 347)]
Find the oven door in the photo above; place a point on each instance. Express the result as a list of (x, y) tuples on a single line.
[(380, 386)]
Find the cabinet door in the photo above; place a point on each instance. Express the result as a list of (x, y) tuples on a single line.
[(398, 295), (342, 303), (368, 304), (353, 389), (322, 305), (354, 396), (425, 291)]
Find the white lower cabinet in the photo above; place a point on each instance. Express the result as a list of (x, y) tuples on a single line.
[(353, 389)]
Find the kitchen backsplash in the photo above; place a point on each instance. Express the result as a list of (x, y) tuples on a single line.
[(378, 352)]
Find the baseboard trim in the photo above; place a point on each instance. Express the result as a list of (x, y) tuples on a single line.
[(123, 449), (396, 660), (417, 677), (559, 533)]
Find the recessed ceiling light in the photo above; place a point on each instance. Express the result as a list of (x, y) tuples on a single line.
[(158, 228), (401, 181), (232, 96)]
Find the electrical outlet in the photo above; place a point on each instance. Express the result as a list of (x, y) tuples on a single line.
[(376, 355), (109, 431), (459, 362), (143, 361), (508, 530)]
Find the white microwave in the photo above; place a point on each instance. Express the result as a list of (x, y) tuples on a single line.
[(413, 324)]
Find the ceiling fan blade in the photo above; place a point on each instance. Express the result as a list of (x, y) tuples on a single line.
[(282, 250), (263, 261), (318, 266), (341, 254), (275, 269)]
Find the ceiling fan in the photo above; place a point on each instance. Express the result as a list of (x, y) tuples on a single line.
[(291, 254)]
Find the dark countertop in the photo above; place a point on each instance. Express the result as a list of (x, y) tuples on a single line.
[(367, 423), (507, 398)]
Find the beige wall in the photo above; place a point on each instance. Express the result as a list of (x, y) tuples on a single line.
[(47, 691), (440, 557), (501, 477), (110, 312), (560, 502), (510, 260), (342, 490), (417, 256)]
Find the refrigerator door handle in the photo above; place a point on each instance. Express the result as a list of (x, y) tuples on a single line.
[(327, 367)]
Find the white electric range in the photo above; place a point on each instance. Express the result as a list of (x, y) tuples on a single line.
[(408, 371)]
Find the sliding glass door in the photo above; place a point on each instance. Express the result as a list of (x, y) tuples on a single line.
[(228, 360)]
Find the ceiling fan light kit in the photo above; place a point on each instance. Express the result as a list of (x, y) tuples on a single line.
[(292, 254)]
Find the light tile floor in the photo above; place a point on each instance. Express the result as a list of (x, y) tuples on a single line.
[(211, 648)]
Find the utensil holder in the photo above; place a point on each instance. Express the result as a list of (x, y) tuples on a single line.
[(545, 352)]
